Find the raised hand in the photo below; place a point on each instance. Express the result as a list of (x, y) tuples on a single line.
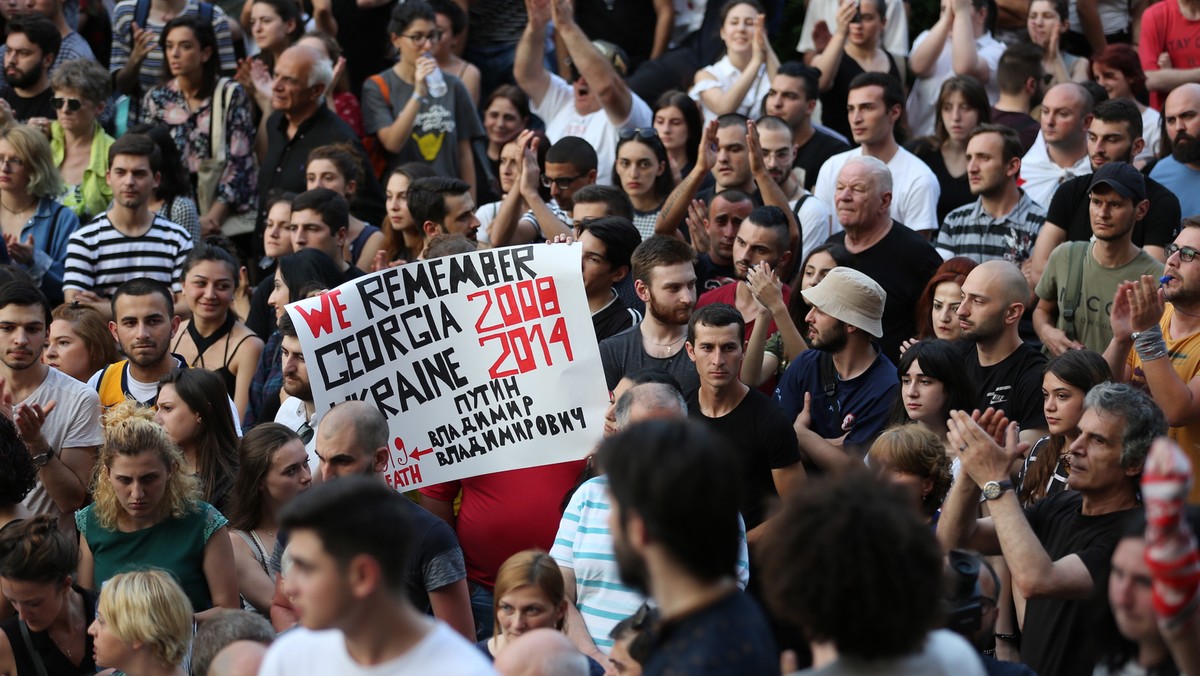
[(21, 252), (697, 226), (143, 43)]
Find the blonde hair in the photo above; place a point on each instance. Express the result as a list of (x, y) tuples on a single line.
[(149, 606), (915, 450), (532, 567), (32, 147), (130, 430)]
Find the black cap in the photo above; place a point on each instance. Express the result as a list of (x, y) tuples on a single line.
[(1121, 177)]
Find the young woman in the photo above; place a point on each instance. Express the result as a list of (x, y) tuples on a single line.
[(213, 338), (273, 468), (854, 48), (937, 308), (679, 126), (338, 168), (739, 81), (38, 562), (932, 383), (1066, 381), (403, 239), (79, 343), (148, 513), (510, 203), (143, 626), (529, 595), (915, 459), (340, 100), (191, 92), (1047, 23), (275, 25), (642, 170), (192, 407), (452, 22), (78, 143), (172, 198), (505, 116), (1119, 71), (36, 227), (962, 105), (398, 110)]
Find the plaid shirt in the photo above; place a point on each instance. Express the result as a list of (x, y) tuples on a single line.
[(267, 382)]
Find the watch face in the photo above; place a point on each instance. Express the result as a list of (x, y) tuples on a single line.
[(991, 490)]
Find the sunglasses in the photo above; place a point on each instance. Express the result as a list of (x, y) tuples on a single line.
[(306, 433), (73, 105), (647, 134)]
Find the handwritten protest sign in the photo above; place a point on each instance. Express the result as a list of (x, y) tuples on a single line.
[(481, 362)]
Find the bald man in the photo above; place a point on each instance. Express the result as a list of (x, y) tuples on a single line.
[(240, 658), (541, 652), (1007, 371), (1061, 152), (1180, 171)]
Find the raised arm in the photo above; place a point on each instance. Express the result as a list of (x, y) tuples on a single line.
[(964, 55), (602, 79), (721, 101), (772, 195), (664, 23), (924, 57), (675, 208), (828, 60), (528, 69), (1179, 400)]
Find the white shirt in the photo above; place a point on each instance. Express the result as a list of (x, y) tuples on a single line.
[(1151, 134), (726, 74), (149, 391), (441, 652), (915, 189), (895, 31), (292, 414), (1040, 176), (816, 223), (922, 101)]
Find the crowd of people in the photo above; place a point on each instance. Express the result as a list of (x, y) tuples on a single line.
[(901, 337)]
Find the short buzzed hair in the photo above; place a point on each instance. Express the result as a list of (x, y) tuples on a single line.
[(880, 174), (574, 151), (615, 201), (774, 123), (654, 396)]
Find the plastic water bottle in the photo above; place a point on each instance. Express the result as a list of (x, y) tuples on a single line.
[(434, 81)]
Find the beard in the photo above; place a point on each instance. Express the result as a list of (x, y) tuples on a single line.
[(832, 341), (19, 79), (631, 567), (144, 360), (298, 389), (676, 315), (1186, 148)]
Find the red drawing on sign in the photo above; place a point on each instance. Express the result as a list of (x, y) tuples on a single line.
[(418, 453), (401, 458)]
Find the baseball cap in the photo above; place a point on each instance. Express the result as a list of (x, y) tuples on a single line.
[(1121, 177)]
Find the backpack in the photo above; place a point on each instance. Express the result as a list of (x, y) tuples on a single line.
[(376, 153)]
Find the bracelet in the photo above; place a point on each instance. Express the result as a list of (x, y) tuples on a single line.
[(1008, 638), (1150, 344)]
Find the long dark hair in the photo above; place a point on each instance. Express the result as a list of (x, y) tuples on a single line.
[(255, 453), (393, 240), (691, 115), (216, 460), (797, 307), (938, 359), (664, 183), (206, 39), (976, 97), (308, 266)]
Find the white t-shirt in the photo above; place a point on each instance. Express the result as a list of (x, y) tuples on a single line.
[(442, 653), (1114, 16), (816, 222), (922, 101), (557, 108), (1151, 134), (74, 423), (895, 31), (726, 74), (915, 189), (944, 654), (486, 214), (1040, 176), (292, 414), (149, 392)]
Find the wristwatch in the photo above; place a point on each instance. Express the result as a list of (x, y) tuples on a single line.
[(41, 459), (994, 489)]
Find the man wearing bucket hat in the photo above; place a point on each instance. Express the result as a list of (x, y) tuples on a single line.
[(840, 392)]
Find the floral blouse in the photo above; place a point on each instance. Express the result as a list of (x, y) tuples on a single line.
[(166, 105)]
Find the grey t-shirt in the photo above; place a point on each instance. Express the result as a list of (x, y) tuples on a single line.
[(623, 353)]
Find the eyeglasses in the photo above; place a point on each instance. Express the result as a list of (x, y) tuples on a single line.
[(418, 38), (14, 162), (73, 105), (1186, 253), (306, 433), (650, 133), (563, 182)]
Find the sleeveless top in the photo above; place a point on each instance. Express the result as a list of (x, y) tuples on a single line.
[(356, 247), (833, 102), (173, 544), (56, 663), (202, 344)]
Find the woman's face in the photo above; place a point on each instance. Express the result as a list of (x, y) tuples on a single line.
[(1043, 22), (184, 54), (108, 650), (270, 31), (410, 49), (502, 121), (818, 265), (924, 396), (325, 174), (671, 127), (867, 32), (208, 288), (277, 240), (510, 165), (445, 46), (527, 608), (76, 121), (947, 296), (280, 295), (1062, 403), (738, 29), (916, 486), (397, 203), (637, 167), (288, 475), (1113, 81), (37, 603), (139, 481), (959, 117), (67, 352), (14, 172), (176, 417)]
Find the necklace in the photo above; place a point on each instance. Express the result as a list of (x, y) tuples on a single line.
[(17, 211), (667, 348)]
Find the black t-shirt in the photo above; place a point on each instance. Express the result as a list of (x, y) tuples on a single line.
[(1013, 386), (956, 190), (728, 637), (1069, 211), (614, 318), (764, 440), (1026, 127), (1055, 629), (34, 106), (53, 658), (813, 154), (710, 275), (902, 282)]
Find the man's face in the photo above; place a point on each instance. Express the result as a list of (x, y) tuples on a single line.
[(1063, 121), (1183, 287), (1096, 454), (856, 199), (598, 273), (1112, 216), (778, 153), (733, 158), (586, 211), (717, 353), (143, 328), (340, 455), (316, 584), (754, 245), (724, 219), (871, 121), (290, 92), (309, 231), (987, 172), (460, 216), (787, 100), (1110, 142), (631, 565), (671, 294), (1130, 593), (22, 335), (295, 371), (565, 179), (981, 313), (1182, 113), (827, 333), (24, 62), (132, 180)]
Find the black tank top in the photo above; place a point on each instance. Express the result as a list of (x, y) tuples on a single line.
[(56, 663)]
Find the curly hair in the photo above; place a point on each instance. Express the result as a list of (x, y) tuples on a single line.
[(17, 471), (915, 450), (835, 530), (130, 430), (37, 550)]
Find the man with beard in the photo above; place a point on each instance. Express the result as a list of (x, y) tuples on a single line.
[(129, 241), (812, 215), (792, 98), (674, 492), (1180, 172), (30, 48), (840, 392), (761, 239), (57, 416), (298, 411), (1114, 135), (665, 279), (1007, 371), (1066, 114), (725, 215), (1082, 276), (1156, 339), (144, 322)]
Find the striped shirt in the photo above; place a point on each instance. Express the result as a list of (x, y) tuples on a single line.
[(584, 545), (972, 232), (100, 257)]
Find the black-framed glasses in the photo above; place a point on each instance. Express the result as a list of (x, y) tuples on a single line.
[(563, 182), (1186, 253), (418, 38), (73, 105), (638, 132), (306, 433)]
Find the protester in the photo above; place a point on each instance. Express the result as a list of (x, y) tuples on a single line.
[(339, 169), (79, 342), (505, 116), (229, 628), (1118, 70), (643, 171), (143, 624), (191, 407), (679, 125), (404, 240), (739, 81), (78, 142), (937, 308), (932, 383), (915, 459), (855, 48)]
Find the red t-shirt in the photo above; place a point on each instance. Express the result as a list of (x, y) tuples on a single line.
[(727, 293), (1164, 29), (507, 512)]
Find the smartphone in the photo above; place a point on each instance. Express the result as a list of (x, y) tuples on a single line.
[(857, 13)]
